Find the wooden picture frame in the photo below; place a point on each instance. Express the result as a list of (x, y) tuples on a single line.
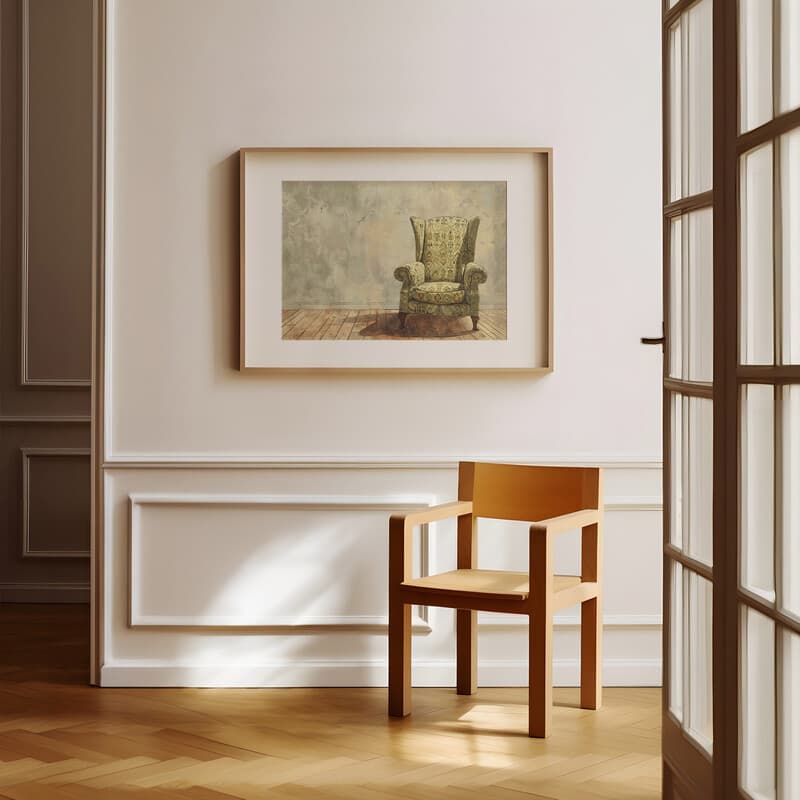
[(299, 204)]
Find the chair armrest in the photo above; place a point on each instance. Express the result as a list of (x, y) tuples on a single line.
[(567, 522), (459, 508), (410, 274), (541, 547), (474, 275), (401, 527)]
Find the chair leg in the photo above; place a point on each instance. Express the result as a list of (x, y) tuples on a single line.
[(402, 315), (540, 673), (475, 323), (466, 652), (591, 653), (399, 659)]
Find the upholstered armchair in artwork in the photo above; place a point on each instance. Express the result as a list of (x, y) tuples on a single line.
[(444, 278)]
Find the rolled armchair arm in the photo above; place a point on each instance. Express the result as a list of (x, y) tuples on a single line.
[(410, 274), (473, 276)]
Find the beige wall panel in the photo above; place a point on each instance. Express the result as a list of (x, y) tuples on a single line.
[(57, 173), (380, 74), (56, 502)]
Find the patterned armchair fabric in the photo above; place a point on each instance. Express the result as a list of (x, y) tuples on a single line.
[(444, 279)]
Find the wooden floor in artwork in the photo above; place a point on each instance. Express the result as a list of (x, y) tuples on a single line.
[(342, 324), (63, 740)]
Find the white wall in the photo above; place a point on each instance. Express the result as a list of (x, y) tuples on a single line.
[(191, 82)]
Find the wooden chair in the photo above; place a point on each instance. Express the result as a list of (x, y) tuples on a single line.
[(555, 500)]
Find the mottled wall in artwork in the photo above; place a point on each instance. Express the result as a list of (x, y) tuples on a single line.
[(343, 239)]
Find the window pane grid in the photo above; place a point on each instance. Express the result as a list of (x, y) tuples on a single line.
[(769, 707), (770, 497), (698, 679), (691, 476), (755, 63), (769, 380), (689, 101), (787, 243), (769, 189), (690, 666), (676, 634), (754, 601), (691, 354), (787, 60), (757, 539), (788, 716), (757, 771), (757, 260), (788, 577)]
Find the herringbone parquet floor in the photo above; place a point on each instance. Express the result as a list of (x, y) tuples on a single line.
[(62, 740)]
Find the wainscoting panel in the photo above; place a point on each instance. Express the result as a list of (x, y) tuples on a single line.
[(273, 570), (56, 160), (55, 502), (264, 574)]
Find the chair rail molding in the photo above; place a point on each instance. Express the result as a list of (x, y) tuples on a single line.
[(216, 461), (27, 454), (44, 592), (54, 419)]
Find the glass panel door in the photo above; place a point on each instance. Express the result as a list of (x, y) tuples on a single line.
[(731, 94), (688, 397), (767, 593)]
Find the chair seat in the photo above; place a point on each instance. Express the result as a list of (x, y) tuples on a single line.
[(487, 582), (439, 292)]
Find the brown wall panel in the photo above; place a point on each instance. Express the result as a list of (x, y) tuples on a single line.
[(56, 233), (45, 302)]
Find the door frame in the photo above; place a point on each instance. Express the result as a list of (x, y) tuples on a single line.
[(99, 149)]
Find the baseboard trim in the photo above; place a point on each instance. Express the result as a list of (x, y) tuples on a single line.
[(44, 593), (287, 674)]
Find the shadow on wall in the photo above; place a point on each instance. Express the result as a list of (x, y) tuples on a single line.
[(290, 574), (223, 259)]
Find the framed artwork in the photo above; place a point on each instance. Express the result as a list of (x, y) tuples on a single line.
[(396, 258)]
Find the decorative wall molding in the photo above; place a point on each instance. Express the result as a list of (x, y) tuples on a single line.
[(367, 672), (644, 503), (25, 378), (210, 461), (277, 503), (44, 592), (17, 419), (27, 454)]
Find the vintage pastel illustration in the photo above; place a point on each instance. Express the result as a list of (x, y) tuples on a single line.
[(398, 260)]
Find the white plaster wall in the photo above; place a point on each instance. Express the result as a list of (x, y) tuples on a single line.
[(191, 81)]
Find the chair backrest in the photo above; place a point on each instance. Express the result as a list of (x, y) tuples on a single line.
[(528, 493), (445, 245)]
